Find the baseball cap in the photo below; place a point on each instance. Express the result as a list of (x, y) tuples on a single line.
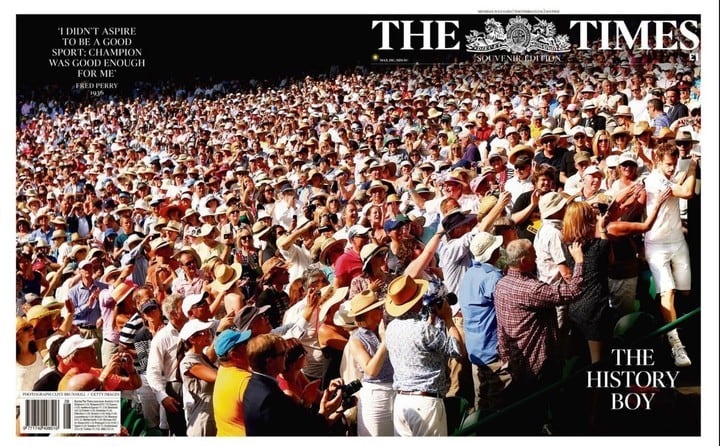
[(193, 326), (592, 170), (357, 230), (192, 299), (627, 157), (148, 305), (228, 339), (73, 344), (392, 224)]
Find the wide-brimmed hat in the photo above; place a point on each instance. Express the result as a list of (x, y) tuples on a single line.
[(39, 312), (369, 251), (620, 130), (247, 314), (423, 189), (456, 177), (483, 245), (498, 152), (205, 230), (623, 110), (51, 303), (270, 264), (76, 250), (329, 296), (189, 212), (158, 243), (20, 323), (502, 116), (642, 127), (376, 184), (665, 134), (110, 271), (403, 293), (363, 302), (547, 134), (260, 229), (520, 149), (457, 218), (173, 225), (328, 245), (226, 276), (191, 251), (341, 318), (550, 203), (685, 136), (122, 291)]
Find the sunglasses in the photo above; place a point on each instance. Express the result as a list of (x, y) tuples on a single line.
[(189, 263), (245, 237)]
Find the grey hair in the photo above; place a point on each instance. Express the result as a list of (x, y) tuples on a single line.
[(517, 250), (309, 274), (169, 305)]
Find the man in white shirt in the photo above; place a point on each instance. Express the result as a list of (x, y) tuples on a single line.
[(666, 250), (162, 366), (298, 256)]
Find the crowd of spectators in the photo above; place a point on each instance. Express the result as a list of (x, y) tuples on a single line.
[(212, 242)]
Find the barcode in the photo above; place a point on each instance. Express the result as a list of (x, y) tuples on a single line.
[(84, 413), (43, 414)]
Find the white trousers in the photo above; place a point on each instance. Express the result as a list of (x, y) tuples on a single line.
[(419, 416), (375, 410)]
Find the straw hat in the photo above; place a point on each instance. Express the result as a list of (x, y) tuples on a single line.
[(520, 149), (330, 296), (226, 276), (328, 245), (363, 302), (122, 291), (403, 293)]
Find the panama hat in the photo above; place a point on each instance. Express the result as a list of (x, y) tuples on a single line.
[(550, 203)]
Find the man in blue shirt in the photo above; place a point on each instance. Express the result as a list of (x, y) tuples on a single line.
[(477, 303), (84, 298)]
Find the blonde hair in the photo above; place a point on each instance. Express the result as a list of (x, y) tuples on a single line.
[(597, 136), (578, 222)]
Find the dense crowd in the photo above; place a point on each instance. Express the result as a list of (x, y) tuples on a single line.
[(233, 260)]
